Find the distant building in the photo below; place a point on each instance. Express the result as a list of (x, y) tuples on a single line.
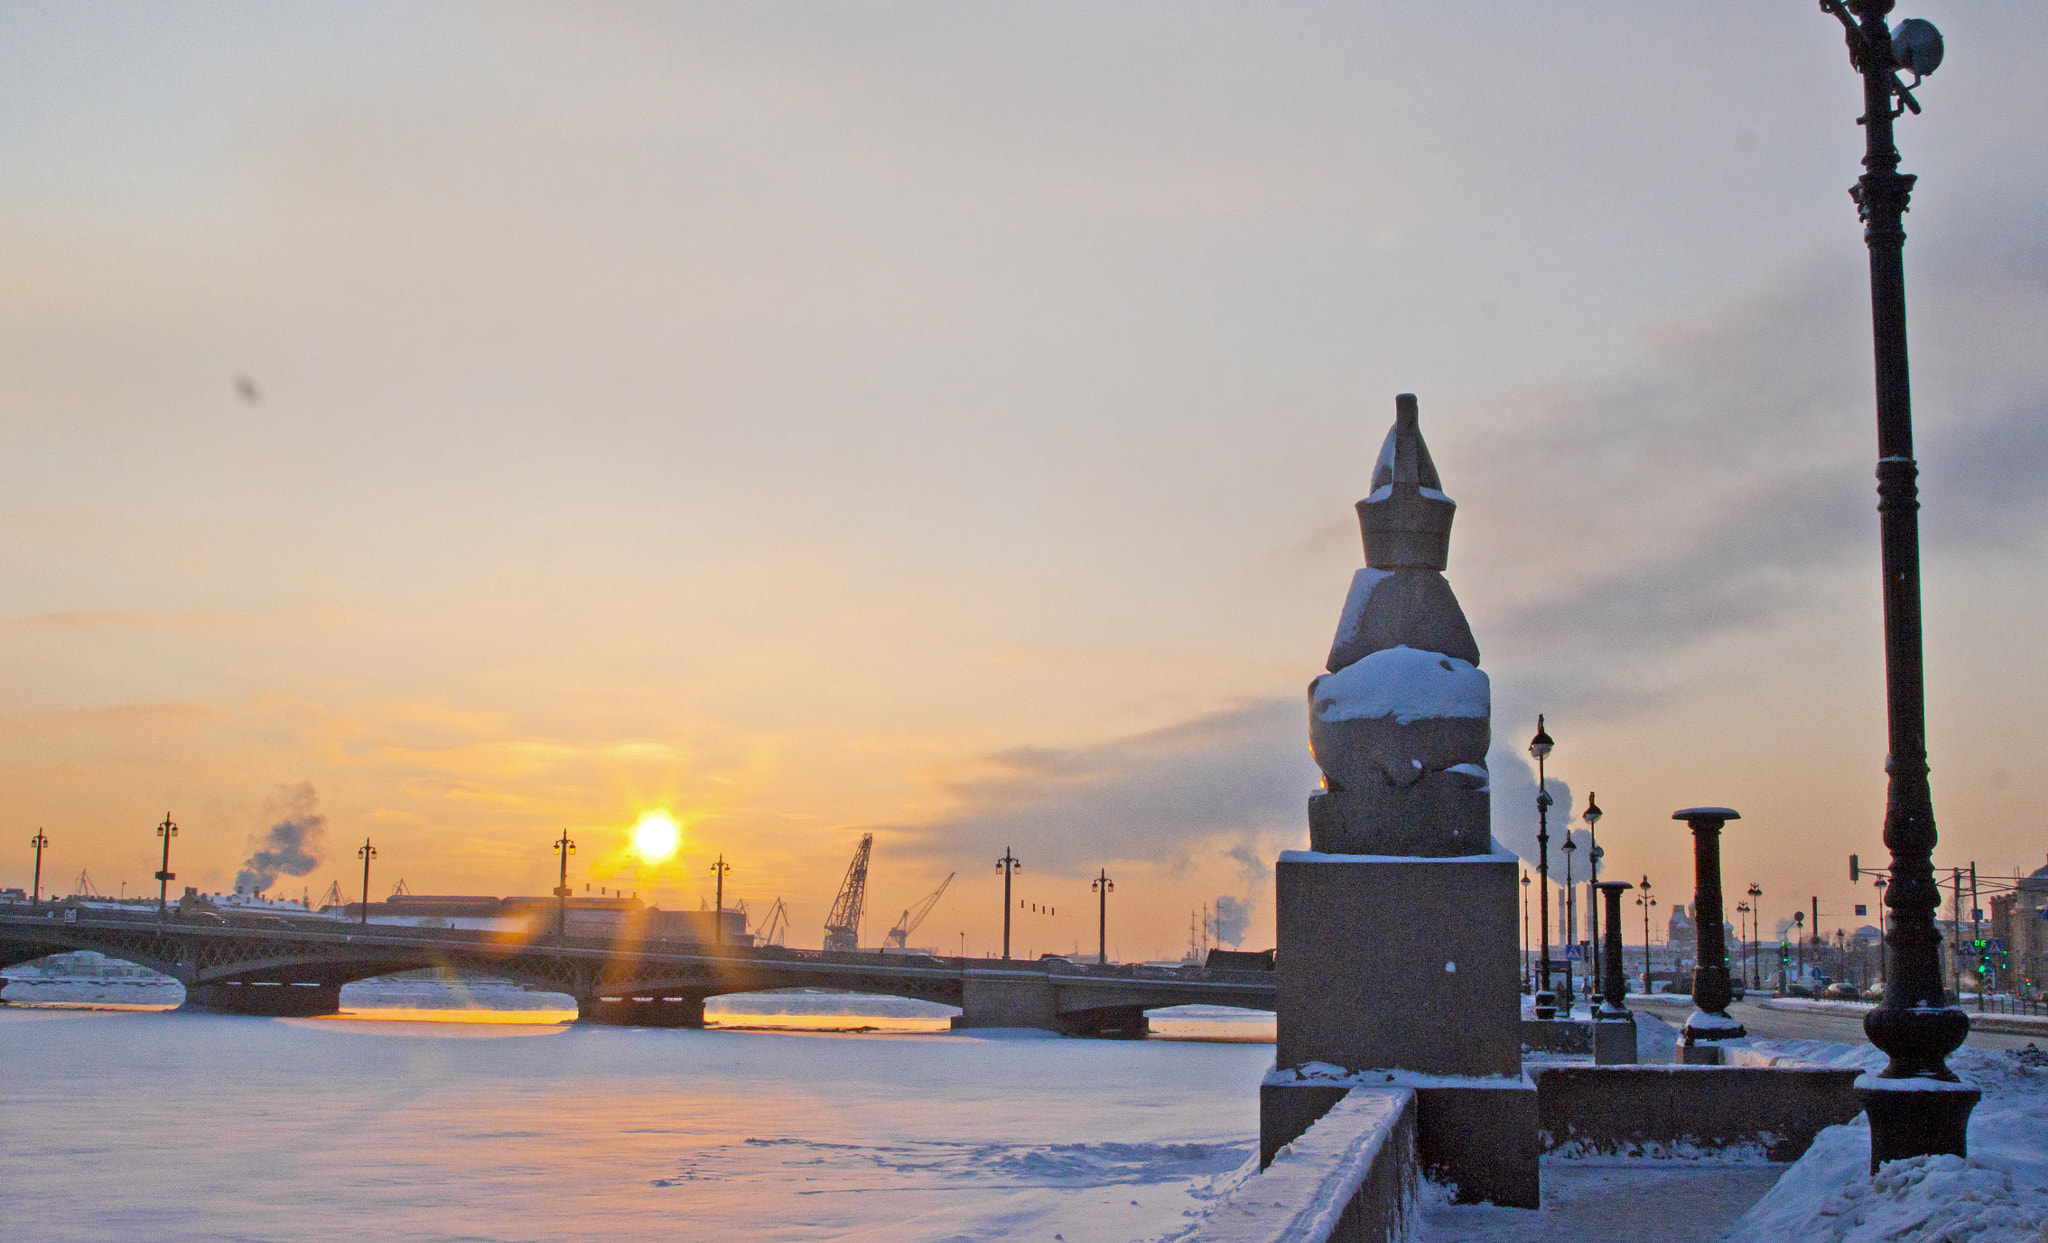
[(2020, 921), (1680, 931)]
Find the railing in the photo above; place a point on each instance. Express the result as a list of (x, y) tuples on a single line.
[(2009, 1004)]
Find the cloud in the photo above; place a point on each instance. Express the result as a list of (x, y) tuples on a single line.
[(1721, 481), (1513, 783), (1238, 775)]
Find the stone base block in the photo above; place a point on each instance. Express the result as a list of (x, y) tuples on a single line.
[(646, 1010), (1614, 1042), (1699, 1055), (1656, 1111), (1437, 817), (1557, 1035), (1916, 1120), (1411, 964), (281, 1000), (1482, 1142)]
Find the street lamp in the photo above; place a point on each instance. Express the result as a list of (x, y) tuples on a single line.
[(164, 875), (718, 870), (1592, 816), (564, 848), (1570, 937), (39, 841), (1539, 746), (1102, 884), (1742, 932), (366, 852), (1008, 866), (1528, 972), (1756, 908), (1645, 901), (1917, 1024)]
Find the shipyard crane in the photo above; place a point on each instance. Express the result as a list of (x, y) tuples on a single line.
[(842, 926), (911, 918), (775, 928)]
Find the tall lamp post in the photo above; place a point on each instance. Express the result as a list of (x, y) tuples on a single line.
[(1102, 884), (1917, 1024), (1539, 746), (1756, 908), (164, 875), (718, 870), (1008, 866), (564, 848), (1528, 971), (1742, 934), (39, 841), (1570, 937), (366, 852), (1645, 901), (1592, 816)]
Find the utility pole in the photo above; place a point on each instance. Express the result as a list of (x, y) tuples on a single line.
[(1977, 934), (38, 841), (164, 875), (1540, 746), (367, 852), (1008, 866), (565, 848), (1102, 885), (719, 869)]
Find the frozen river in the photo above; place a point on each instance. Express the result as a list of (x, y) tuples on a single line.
[(150, 1124)]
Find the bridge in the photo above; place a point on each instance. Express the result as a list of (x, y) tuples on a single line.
[(274, 965)]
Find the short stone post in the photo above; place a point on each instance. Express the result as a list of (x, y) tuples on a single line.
[(1614, 1028), (1711, 989)]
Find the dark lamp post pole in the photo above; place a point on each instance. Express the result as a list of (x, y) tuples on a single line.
[(718, 870), (366, 853), (565, 848), (164, 875), (1756, 909), (38, 841), (1647, 902), (1591, 816), (1539, 746), (1102, 884), (1711, 992), (1917, 1024), (1528, 970), (1008, 866), (1570, 933)]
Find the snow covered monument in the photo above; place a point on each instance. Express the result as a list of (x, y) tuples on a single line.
[(1398, 954)]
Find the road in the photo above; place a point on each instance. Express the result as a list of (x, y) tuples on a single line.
[(1815, 1025)]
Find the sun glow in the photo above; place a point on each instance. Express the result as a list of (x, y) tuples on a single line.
[(656, 837)]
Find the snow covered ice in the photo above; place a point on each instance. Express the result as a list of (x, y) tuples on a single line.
[(158, 1125)]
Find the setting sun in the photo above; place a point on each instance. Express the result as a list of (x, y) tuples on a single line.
[(656, 837)]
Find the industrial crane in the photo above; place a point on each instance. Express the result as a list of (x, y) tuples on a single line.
[(914, 916), (842, 926), (775, 928)]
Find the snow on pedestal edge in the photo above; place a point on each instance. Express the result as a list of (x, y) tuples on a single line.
[(1405, 683)]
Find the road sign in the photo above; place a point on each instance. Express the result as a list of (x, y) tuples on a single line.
[(1571, 954)]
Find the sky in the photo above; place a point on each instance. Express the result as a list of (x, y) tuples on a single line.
[(446, 425)]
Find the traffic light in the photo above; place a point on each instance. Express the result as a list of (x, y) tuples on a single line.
[(1784, 953)]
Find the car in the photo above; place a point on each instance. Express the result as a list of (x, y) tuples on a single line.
[(1842, 990)]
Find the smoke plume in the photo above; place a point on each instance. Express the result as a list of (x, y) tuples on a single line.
[(1232, 918), (291, 846)]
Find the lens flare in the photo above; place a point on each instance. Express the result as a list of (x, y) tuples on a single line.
[(656, 837)]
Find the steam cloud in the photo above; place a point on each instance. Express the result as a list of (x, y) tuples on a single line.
[(1232, 918), (289, 847)]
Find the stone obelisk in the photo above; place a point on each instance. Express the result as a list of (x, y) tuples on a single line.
[(1398, 941)]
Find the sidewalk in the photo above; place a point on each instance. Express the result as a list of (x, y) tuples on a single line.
[(2008, 1024)]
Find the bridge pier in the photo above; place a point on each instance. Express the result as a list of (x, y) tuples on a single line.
[(297, 999), (1121, 1023), (1007, 998), (656, 1009)]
